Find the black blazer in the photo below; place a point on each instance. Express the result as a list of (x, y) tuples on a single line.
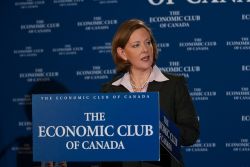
[(176, 102)]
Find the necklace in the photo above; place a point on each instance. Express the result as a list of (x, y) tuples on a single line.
[(138, 88)]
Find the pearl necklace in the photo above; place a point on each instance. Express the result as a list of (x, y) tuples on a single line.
[(138, 88)]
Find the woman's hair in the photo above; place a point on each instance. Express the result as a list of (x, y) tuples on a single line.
[(121, 38)]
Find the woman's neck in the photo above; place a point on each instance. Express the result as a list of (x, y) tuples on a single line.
[(139, 78)]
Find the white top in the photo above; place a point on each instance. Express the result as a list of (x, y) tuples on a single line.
[(156, 75)]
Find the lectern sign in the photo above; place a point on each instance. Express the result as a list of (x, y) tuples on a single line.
[(96, 127)]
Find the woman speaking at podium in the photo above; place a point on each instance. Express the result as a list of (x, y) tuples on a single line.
[(134, 51)]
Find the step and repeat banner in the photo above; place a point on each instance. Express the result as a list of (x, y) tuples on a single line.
[(63, 46)]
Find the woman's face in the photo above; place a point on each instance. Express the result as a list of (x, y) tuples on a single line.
[(139, 50)]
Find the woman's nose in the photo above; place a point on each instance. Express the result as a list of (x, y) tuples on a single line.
[(144, 48)]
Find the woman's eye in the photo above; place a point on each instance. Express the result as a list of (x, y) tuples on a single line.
[(148, 42), (135, 45)]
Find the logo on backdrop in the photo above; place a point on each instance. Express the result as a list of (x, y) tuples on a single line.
[(40, 27), (103, 2), (176, 68), (162, 46), (26, 100), (102, 49), (28, 51), (174, 20), (245, 17), (243, 94), (98, 23), (245, 118), (27, 125), (195, 2), (238, 146), (68, 50), (200, 146), (29, 4), (245, 68), (39, 75), (67, 3), (95, 73), (199, 95), (197, 45), (242, 44)]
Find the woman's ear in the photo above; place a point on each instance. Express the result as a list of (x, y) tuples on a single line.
[(121, 53)]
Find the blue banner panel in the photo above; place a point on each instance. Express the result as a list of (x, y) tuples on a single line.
[(96, 127), (170, 136)]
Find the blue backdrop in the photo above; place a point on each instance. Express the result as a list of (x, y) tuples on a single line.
[(56, 46)]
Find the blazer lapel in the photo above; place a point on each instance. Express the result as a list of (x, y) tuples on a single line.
[(154, 86)]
